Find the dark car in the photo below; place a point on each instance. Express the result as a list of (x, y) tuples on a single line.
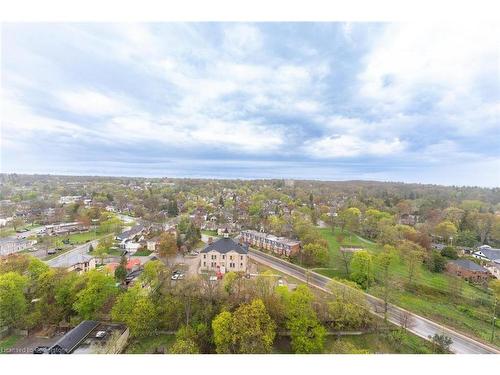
[(51, 252), (41, 350)]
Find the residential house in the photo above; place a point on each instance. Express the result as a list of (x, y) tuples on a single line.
[(278, 245), (92, 337), (68, 199), (494, 269), (133, 239), (83, 263), (487, 253), (74, 261), (468, 270), (224, 255)]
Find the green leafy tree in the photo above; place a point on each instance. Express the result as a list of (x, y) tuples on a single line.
[(307, 334), (436, 262), (98, 289), (121, 270), (185, 341), (253, 329), (349, 219), (249, 330), (167, 245), (347, 306), (384, 262), (315, 254), (441, 343), (154, 273), (13, 303), (362, 268), (103, 248), (413, 256), (446, 229), (223, 336), (449, 252), (143, 319)]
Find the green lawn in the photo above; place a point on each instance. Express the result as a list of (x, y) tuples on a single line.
[(5, 232), (8, 342), (142, 253), (377, 343), (81, 238), (148, 345), (470, 311), (212, 233)]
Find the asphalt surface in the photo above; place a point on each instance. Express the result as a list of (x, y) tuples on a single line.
[(416, 324), (63, 259)]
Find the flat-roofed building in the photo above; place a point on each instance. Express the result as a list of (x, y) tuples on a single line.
[(92, 337), (12, 246)]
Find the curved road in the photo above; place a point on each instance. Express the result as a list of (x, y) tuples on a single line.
[(418, 325)]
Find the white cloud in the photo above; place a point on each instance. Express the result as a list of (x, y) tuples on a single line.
[(445, 60), (242, 39), (351, 146), (91, 103)]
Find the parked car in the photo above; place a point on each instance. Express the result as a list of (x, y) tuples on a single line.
[(213, 278), (51, 252), (180, 276), (175, 276)]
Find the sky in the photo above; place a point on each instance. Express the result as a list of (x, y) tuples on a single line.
[(411, 102)]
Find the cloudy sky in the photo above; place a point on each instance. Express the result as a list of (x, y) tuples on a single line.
[(330, 101)]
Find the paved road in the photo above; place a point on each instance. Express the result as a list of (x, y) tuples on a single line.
[(67, 257), (419, 326)]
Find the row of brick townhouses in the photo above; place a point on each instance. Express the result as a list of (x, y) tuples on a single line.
[(278, 245)]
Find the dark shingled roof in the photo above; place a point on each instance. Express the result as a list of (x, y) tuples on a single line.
[(469, 265), (69, 342), (131, 232), (225, 245)]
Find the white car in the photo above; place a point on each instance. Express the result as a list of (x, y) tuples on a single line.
[(213, 278), (175, 277), (281, 282)]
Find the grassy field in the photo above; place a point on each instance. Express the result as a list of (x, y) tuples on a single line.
[(5, 232), (212, 233), (377, 343), (7, 343), (470, 310), (148, 345), (142, 253), (81, 238)]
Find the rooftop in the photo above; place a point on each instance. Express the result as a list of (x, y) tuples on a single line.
[(469, 265), (225, 245)]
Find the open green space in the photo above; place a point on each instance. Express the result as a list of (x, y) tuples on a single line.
[(469, 309), (150, 344), (391, 342), (212, 233), (8, 342), (143, 253)]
